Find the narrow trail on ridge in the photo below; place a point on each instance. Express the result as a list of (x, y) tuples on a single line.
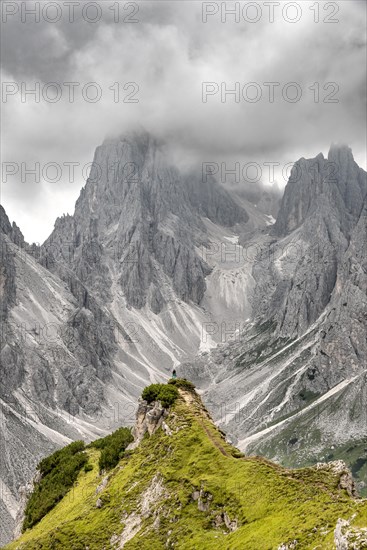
[(191, 401)]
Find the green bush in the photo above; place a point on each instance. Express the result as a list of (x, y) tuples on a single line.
[(166, 394), (58, 471), (109, 458), (50, 462), (182, 383), (150, 393), (112, 447), (88, 468)]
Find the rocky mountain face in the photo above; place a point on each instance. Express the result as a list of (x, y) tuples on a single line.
[(138, 213), (291, 386), (321, 206), (318, 185)]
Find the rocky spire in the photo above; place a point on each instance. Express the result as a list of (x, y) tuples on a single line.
[(336, 183), (139, 215)]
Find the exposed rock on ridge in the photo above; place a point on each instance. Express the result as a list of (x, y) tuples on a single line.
[(149, 418)]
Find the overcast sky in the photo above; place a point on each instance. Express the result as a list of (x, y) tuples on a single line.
[(168, 52)]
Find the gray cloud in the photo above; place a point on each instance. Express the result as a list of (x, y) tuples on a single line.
[(169, 54)]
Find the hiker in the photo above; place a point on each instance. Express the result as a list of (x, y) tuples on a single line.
[(174, 374)]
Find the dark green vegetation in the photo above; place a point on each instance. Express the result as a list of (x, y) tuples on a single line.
[(191, 490), (112, 447), (58, 471), (166, 394)]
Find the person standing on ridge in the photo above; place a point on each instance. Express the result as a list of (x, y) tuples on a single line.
[(174, 374)]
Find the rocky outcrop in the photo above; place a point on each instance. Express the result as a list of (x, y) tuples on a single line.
[(349, 538), (289, 546), (340, 470), (24, 493), (148, 506), (223, 519), (149, 418), (204, 500), (101, 487)]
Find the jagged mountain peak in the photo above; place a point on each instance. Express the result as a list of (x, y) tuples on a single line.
[(10, 229), (319, 158), (138, 144), (5, 224), (340, 150), (136, 202), (335, 185), (138, 138)]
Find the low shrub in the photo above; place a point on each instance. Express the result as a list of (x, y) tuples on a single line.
[(150, 393), (50, 462), (58, 471), (112, 447), (166, 394)]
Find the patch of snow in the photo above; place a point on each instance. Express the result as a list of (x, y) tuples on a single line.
[(233, 240), (271, 220)]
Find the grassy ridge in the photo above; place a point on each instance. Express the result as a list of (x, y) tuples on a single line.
[(155, 486)]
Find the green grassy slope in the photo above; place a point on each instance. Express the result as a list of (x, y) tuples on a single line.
[(150, 501)]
